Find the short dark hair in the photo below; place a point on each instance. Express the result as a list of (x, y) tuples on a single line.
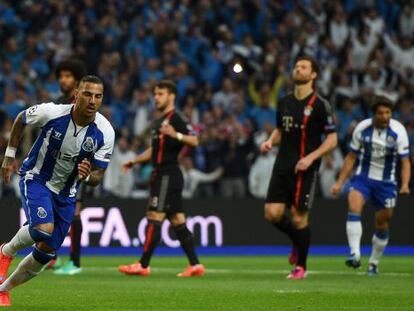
[(314, 63), (74, 66), (167, 84), (380, 100), (92, 79)]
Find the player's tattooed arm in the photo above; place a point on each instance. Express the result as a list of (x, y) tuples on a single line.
[(96, 176), (9, 163), (17, 131), (90, 175)]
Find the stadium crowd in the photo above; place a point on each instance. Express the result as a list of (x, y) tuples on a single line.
[(231, 61)]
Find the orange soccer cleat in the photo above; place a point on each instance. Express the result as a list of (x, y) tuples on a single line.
[(135, 269), (5, 262), (5, 300), (196, 270)]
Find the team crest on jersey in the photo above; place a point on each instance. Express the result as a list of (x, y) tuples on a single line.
[(41, 212), (308, 111), (88, 145), (390, 141)]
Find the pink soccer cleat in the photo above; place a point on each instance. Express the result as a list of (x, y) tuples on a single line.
[(196, 270), (135, 269), (298, 273), (5, 300), (5, 262)]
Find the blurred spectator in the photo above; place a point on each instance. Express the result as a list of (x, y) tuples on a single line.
[(194, 177), (331, 165), (235, 151), (116, 181)]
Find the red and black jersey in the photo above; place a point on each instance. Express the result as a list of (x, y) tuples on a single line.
[(165, 149), (303, 124)]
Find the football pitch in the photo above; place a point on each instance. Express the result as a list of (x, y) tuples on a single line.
[(231, 283)]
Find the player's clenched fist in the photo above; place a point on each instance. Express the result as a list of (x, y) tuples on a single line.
[(84, 169), (266, 146)]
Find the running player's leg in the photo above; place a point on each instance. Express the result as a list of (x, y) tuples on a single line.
[(33, 263), (48, 226), (379, 239), (76, 234), (152, 236), (384, 200), (178, 222), (360, 192), (152, 239), (356, 202), (37, 205), (175, 214), (155, 216), (20, 241), (72, 266), (185, 237)]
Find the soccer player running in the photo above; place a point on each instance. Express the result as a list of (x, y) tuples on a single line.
[(69, 72), (169, 134), (376, 145), (74, 146), (302, 119)]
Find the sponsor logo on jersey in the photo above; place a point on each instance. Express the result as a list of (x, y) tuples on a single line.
[(57, 135), (287, 123)]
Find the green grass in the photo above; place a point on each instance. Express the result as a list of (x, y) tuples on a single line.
[(231, 283)]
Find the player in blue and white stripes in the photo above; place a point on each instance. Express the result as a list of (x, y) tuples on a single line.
[(74, 145), (377, 144)]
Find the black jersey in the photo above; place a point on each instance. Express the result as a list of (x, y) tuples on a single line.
[(302, 123), (165, 149)]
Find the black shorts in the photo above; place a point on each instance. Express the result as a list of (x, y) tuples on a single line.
[(166, 188), (293, 189)]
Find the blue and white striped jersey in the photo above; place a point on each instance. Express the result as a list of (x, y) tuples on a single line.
[(378, 149), (62, 144)]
